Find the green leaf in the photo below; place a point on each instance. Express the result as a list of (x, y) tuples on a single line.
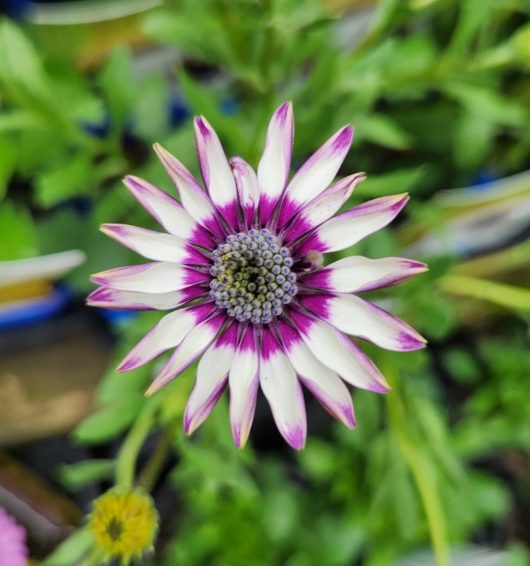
[(21, 71), (487, 102), (462, 366), (109, 421), (203, 101), (8, 160), (70, 179), (403, 180), (75, 476), (71, 551), (382, 130), (119, 87), (17, 232)]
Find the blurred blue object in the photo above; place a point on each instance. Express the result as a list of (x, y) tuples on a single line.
[(98, 130), (229, 106), (116, 317), (178, 112), (15, 8), (482, 179), (33, 310)]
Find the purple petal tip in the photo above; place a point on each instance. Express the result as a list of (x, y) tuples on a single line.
[(296, 439), (201, 125)]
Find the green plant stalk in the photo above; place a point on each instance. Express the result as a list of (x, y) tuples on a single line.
[(126, 461), (158, 458), (509, 296), (423, 477), (513, 258)]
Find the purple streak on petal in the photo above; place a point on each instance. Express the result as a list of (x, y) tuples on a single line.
[(302, 322), (139, 188), (275, 163), (102, 278), (378, 384), (397, 202), (200, 237), (178, 173), (409, 343), (200, 416), (287, 334), (194, 277), (334, 148), (142, 190), (298, 227), (248, 341), (295, 437), (203, 128), (230, 214), (195, 257), (229, 336), (247, 190), (269, 345), (322, 207), (266, 209), (318, 280), (319, 304), (408, 338), (416, 267), (239, 440), (288, 208), (344, 413), (310, 244)]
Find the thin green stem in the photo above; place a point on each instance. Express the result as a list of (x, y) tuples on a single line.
[(515, 257), (502, 294), (422, 473), (157, 460), (126, 461)]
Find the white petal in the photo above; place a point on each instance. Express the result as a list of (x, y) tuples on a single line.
[(243, 382), (358, 317), (356, 273), (166, 334), (168, 212), (316, 173), (153, 245), (212, 374), (339, 353), (192, 196), (107, 298), (150, 277), (187, 352), (283, 392), (216, 171), (273, 168), (324, 383), (350, 227), (247, 188), (323, 207)]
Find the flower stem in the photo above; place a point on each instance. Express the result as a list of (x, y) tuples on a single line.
[(158, 458), (422, 471), (502, 294), (126, 461)]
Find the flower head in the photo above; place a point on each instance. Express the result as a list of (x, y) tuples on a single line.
[(241, 268), (124, 524), (13, 551)]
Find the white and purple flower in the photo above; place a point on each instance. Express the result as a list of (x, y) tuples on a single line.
[(240, 267)]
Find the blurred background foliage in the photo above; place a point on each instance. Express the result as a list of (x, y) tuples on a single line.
[(439, 93)]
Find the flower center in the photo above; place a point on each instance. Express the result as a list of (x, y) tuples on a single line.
[(252, 277), (114, 528)]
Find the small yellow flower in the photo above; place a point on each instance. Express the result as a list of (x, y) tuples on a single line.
[(124, 524)]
